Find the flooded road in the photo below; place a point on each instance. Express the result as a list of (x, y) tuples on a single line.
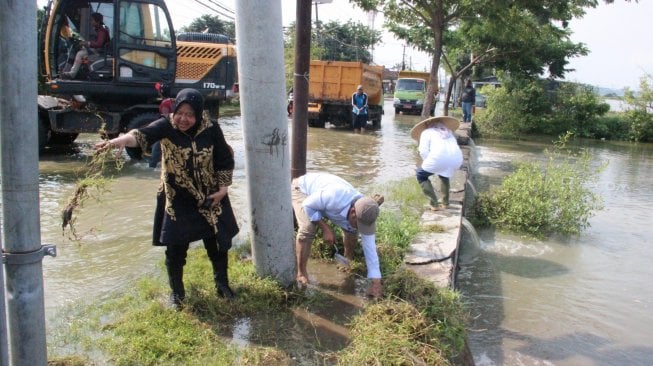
[(577, 301), (115, 230), (563, 301)]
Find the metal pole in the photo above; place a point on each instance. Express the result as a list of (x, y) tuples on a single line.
[(300, 88), (22, 254), (4, 346), (265, 131)]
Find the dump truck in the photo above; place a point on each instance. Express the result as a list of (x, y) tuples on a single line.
[(410, 91), (331, 85), (115, 90)]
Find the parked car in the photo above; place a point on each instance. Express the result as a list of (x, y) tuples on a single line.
[(480, 100)]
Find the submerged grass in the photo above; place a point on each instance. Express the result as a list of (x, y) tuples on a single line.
[(415, 324)]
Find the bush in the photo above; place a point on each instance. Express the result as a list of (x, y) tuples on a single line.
[(539, 200), (541, 107), (640, 110), (612, 126)]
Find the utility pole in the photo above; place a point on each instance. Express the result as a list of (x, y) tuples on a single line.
[(23, 341), (300, 88), (265, 131)]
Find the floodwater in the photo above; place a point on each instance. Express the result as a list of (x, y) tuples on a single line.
[(583, 300), (115, 247), (563, 301)]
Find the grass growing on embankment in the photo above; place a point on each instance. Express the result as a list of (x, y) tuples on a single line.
[(415, 323)]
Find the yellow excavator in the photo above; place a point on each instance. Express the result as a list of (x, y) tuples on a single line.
[(119, 85)]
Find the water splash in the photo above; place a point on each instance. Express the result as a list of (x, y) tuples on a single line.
[(471, 187), (473, 235)]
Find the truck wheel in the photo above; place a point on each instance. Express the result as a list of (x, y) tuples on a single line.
[(140, 120), (397, 110), (57, 138), (376, 123), (44, 133), (315, 122)]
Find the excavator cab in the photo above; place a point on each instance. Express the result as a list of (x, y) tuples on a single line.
[(141, 50), (113, 90)]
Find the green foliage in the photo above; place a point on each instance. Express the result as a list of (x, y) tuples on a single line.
[(419, 325), (211, 24), (522, 107), (611, 126), (640, 111), (332, 41), (513, 111), (576, 108), (346, 41), (543, 199)]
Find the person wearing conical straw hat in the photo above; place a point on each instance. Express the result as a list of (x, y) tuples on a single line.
[(440, 155)]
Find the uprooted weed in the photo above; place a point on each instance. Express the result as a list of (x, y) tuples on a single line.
[(94, 178)]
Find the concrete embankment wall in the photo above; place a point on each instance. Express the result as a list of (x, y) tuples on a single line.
[(433, 254)]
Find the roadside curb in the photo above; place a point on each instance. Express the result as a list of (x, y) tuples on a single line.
[(433, 254)]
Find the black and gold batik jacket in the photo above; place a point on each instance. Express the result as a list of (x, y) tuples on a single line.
[(194, 164)]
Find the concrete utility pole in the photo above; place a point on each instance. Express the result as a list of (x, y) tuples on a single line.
[(265, 130), (22, 251), (300, 87)]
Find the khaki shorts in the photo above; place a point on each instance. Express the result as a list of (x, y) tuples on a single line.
[(307, 229)]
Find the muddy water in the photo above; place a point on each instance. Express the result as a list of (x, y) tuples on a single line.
[(583, 300), (116, 230)]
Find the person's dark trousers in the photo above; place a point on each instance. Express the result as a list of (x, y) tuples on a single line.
[(220, 263), (175, 261), (155, 157)]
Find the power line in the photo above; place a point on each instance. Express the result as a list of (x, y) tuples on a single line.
[(229, 17), (223, 7)]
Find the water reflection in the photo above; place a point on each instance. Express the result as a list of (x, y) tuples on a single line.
[(572, 300), (116, 249)]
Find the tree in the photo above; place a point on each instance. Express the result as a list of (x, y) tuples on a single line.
[(346, 42), (211, 24), (432, 26), (640, 110), (333, 41)]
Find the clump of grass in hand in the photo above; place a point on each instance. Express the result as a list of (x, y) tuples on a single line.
[(95, 177)]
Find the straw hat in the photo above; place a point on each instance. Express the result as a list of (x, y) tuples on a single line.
[(449, 122)]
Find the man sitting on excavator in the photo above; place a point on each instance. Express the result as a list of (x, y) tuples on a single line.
[(95, 47)]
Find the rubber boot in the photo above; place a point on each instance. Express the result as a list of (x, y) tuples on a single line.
[(444, 189), (427, 189), (175, 279), (220, 265)]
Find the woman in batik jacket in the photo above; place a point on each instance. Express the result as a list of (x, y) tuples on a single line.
[(192, 201)]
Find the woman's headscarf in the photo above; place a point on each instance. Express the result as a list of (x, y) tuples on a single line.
[(192, 97), (195, 99)]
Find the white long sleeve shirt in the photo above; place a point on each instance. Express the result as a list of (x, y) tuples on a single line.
[(440, 152), (331, 197)]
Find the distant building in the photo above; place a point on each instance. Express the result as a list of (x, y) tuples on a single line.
[(389, 81)]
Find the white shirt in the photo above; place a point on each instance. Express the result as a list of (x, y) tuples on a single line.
[(440, 152), (331, 197)]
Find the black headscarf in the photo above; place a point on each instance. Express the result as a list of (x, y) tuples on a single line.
[(195, 99)]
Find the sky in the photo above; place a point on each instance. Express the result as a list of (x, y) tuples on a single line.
[(619, 37)]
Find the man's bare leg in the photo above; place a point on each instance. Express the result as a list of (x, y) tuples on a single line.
[(349, 242), (303, 251)]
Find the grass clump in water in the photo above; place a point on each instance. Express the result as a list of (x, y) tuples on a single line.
[(418, 324), (543, 199), (415, 324)]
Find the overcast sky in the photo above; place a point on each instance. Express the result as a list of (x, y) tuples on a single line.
[(619, 37)]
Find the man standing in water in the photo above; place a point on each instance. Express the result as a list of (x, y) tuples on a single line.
[(359, 110), (317, 197)]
